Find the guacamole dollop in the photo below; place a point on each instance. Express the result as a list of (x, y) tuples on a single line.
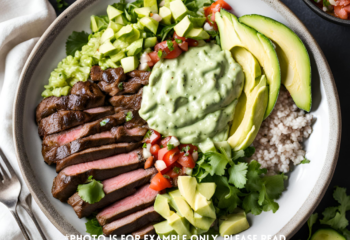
[(193, 97)]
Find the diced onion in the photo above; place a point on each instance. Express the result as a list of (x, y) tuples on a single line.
[(173, 141), (147, 151), (333, 2), (143, 66), (145, 58), (157, 17), (160, 165), (195, 156), (188, 171), (162, 3), (208, 27)]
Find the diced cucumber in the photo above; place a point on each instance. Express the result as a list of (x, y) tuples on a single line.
[(119, 44), (115, 26), (166, 15), (149, 24), (121, 20), (150, 42), (98, 23), (197, 22), (198, 34), (167, 3), (112, 12), (129, 63), (117, 57), (128, 34), (143, 12), (152, 4), (108, 35), (107, 47), (183, 27), (135, 47), (178, 9)]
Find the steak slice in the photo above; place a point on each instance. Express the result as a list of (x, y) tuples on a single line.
[(136, 121), (132, 223), (85, 130), (96, 73), (65, 119), (109, 75), (144, 75), (143, 198), (130, 87), (148, 230), (127, 101), (86, 88), (115, 188), (115, 135), (66, 182), (96, 153)]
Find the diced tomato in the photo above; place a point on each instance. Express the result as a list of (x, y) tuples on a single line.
[(186, 161), (210, 11), (169, 54), (149, 162), (159, 182), (154, 150), (171, 156), (184, 46), (175, 171), (192, 147), (161, 153), (192, 42), (178, 37), (153, 138), (340, 12), (154, 57), (164, 142)]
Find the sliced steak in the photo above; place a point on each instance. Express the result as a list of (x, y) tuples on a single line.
[(130, 87), (132, 223), (66, 119), (96, 73), (87, 88), (98, 126), (96, 153), (148, 230), (110, 75), (139, 74), (66, 182), (115, 188), (136, 121), (127, 101), (143, 198), (115, 135)]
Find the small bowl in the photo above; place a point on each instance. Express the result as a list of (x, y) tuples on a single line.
[(325, 15)]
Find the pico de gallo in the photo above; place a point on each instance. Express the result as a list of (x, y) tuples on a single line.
[(338, 8), (171, 158)]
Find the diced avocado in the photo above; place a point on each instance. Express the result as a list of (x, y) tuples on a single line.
[(233, 223), (224, 147), (252, 107), (167, 3), (204, 207), (197, 231), (115, 26), (292, 54), (166, 15), (206, 189), (197, 22), (121, 20), (128, 34), (119, 44), (117, 57), (112, 12), (150, 42), (202, 222), (152, 4), (106, 47), (129, 63), (149, 24), (183, 27), (184, 209), (173, 194), (164, 229), (135, 47), (98, 23), (327, 234), (108, 35), (234, 33), (198, 34), (143, 12), (178, 9), (187, 186), (161, 206), (180, 225), (207, 146)]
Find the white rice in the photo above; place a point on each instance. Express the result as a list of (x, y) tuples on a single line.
[(279, 142)]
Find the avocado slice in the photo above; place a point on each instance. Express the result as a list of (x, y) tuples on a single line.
[(197, 22), (121, 19), (108, 34), (179, 224), (150, 24), (202, 222), (164, 229), (112, 12), (135, 47), (150, 42), (234, 33), (327, 234), (198, 34), (183, 27), (115, 26), (184, 209), (152, 4), (250, 109), (178, 9), (206, 189), (233, 223), (204, 207), (292, 54), (143, 12), (166, 15), (173, 194), (197, 231), (106, 47), (187, 186), (129, 63), (161, 206)]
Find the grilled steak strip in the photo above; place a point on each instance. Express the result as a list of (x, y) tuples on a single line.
[(130, 87), (96, 153), (144, 75), (136, 121), (96, 73), (143, 198), (110, 75), (127, 101), (131, 223), (84, 95), (148, 230), (115, 135), (115, 188), (66, 182), (85, 130), (65, 119)]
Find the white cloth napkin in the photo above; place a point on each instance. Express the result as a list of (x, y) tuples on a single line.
[(22, 22)]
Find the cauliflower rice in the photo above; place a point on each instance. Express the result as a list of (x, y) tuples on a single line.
[(280, 139)]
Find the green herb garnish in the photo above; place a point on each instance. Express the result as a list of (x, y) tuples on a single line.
[(178, 41), (176, 169), (120, 86), (160, 53), (129, 116), (61, 4), (170, 45), (166, 176), (305, 161), (93, 227), (92, 191), (170, 146), (75, 42), (104, 122), (148, 134), (144, 145)]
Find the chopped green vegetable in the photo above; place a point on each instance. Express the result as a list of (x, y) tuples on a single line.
[(305, 161), (178, 41), (166, 176), (92, 191), (238, 173), (310, 222), (169, 146), (148, 134), (129, 116), (249, 151), (104, 122), (93, 227), (186, 149), (76, 41), (176, 169), (144, 145), (167, 31), (61, 4), (169, 43), (120, 86), (160, 53)]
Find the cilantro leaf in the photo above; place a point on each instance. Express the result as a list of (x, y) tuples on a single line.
[(346, 234), (104, 122), (305, 161), (341, 197), (91, 192), (120, 6), (249, 151), (310, 222), (254, 182), (166, 31), (238, 173), (250, 204), (226, 197), (237, 155), (274, 185), (339, 221), (217, 162), (129, 116), (76, 41), (61, 4), (93, 227)]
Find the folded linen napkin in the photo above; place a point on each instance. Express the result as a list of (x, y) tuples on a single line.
[(21, 25)]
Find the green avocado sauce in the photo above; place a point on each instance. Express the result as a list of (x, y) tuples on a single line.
[(76, 68), (193, 97)]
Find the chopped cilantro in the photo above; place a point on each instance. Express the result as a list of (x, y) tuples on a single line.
[(186, 149), (160, 53), (93, 227), (92, 191), (176, 169), (161, 146), (310, 222), (166, 176), (170, 45), (238, 173), (61, 4), (178, 41), (104, 122), (121, 86), (169, 146), (129, 116), (249, 151), (148, 134), (144, 145), (305, 161), (76, 41)]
